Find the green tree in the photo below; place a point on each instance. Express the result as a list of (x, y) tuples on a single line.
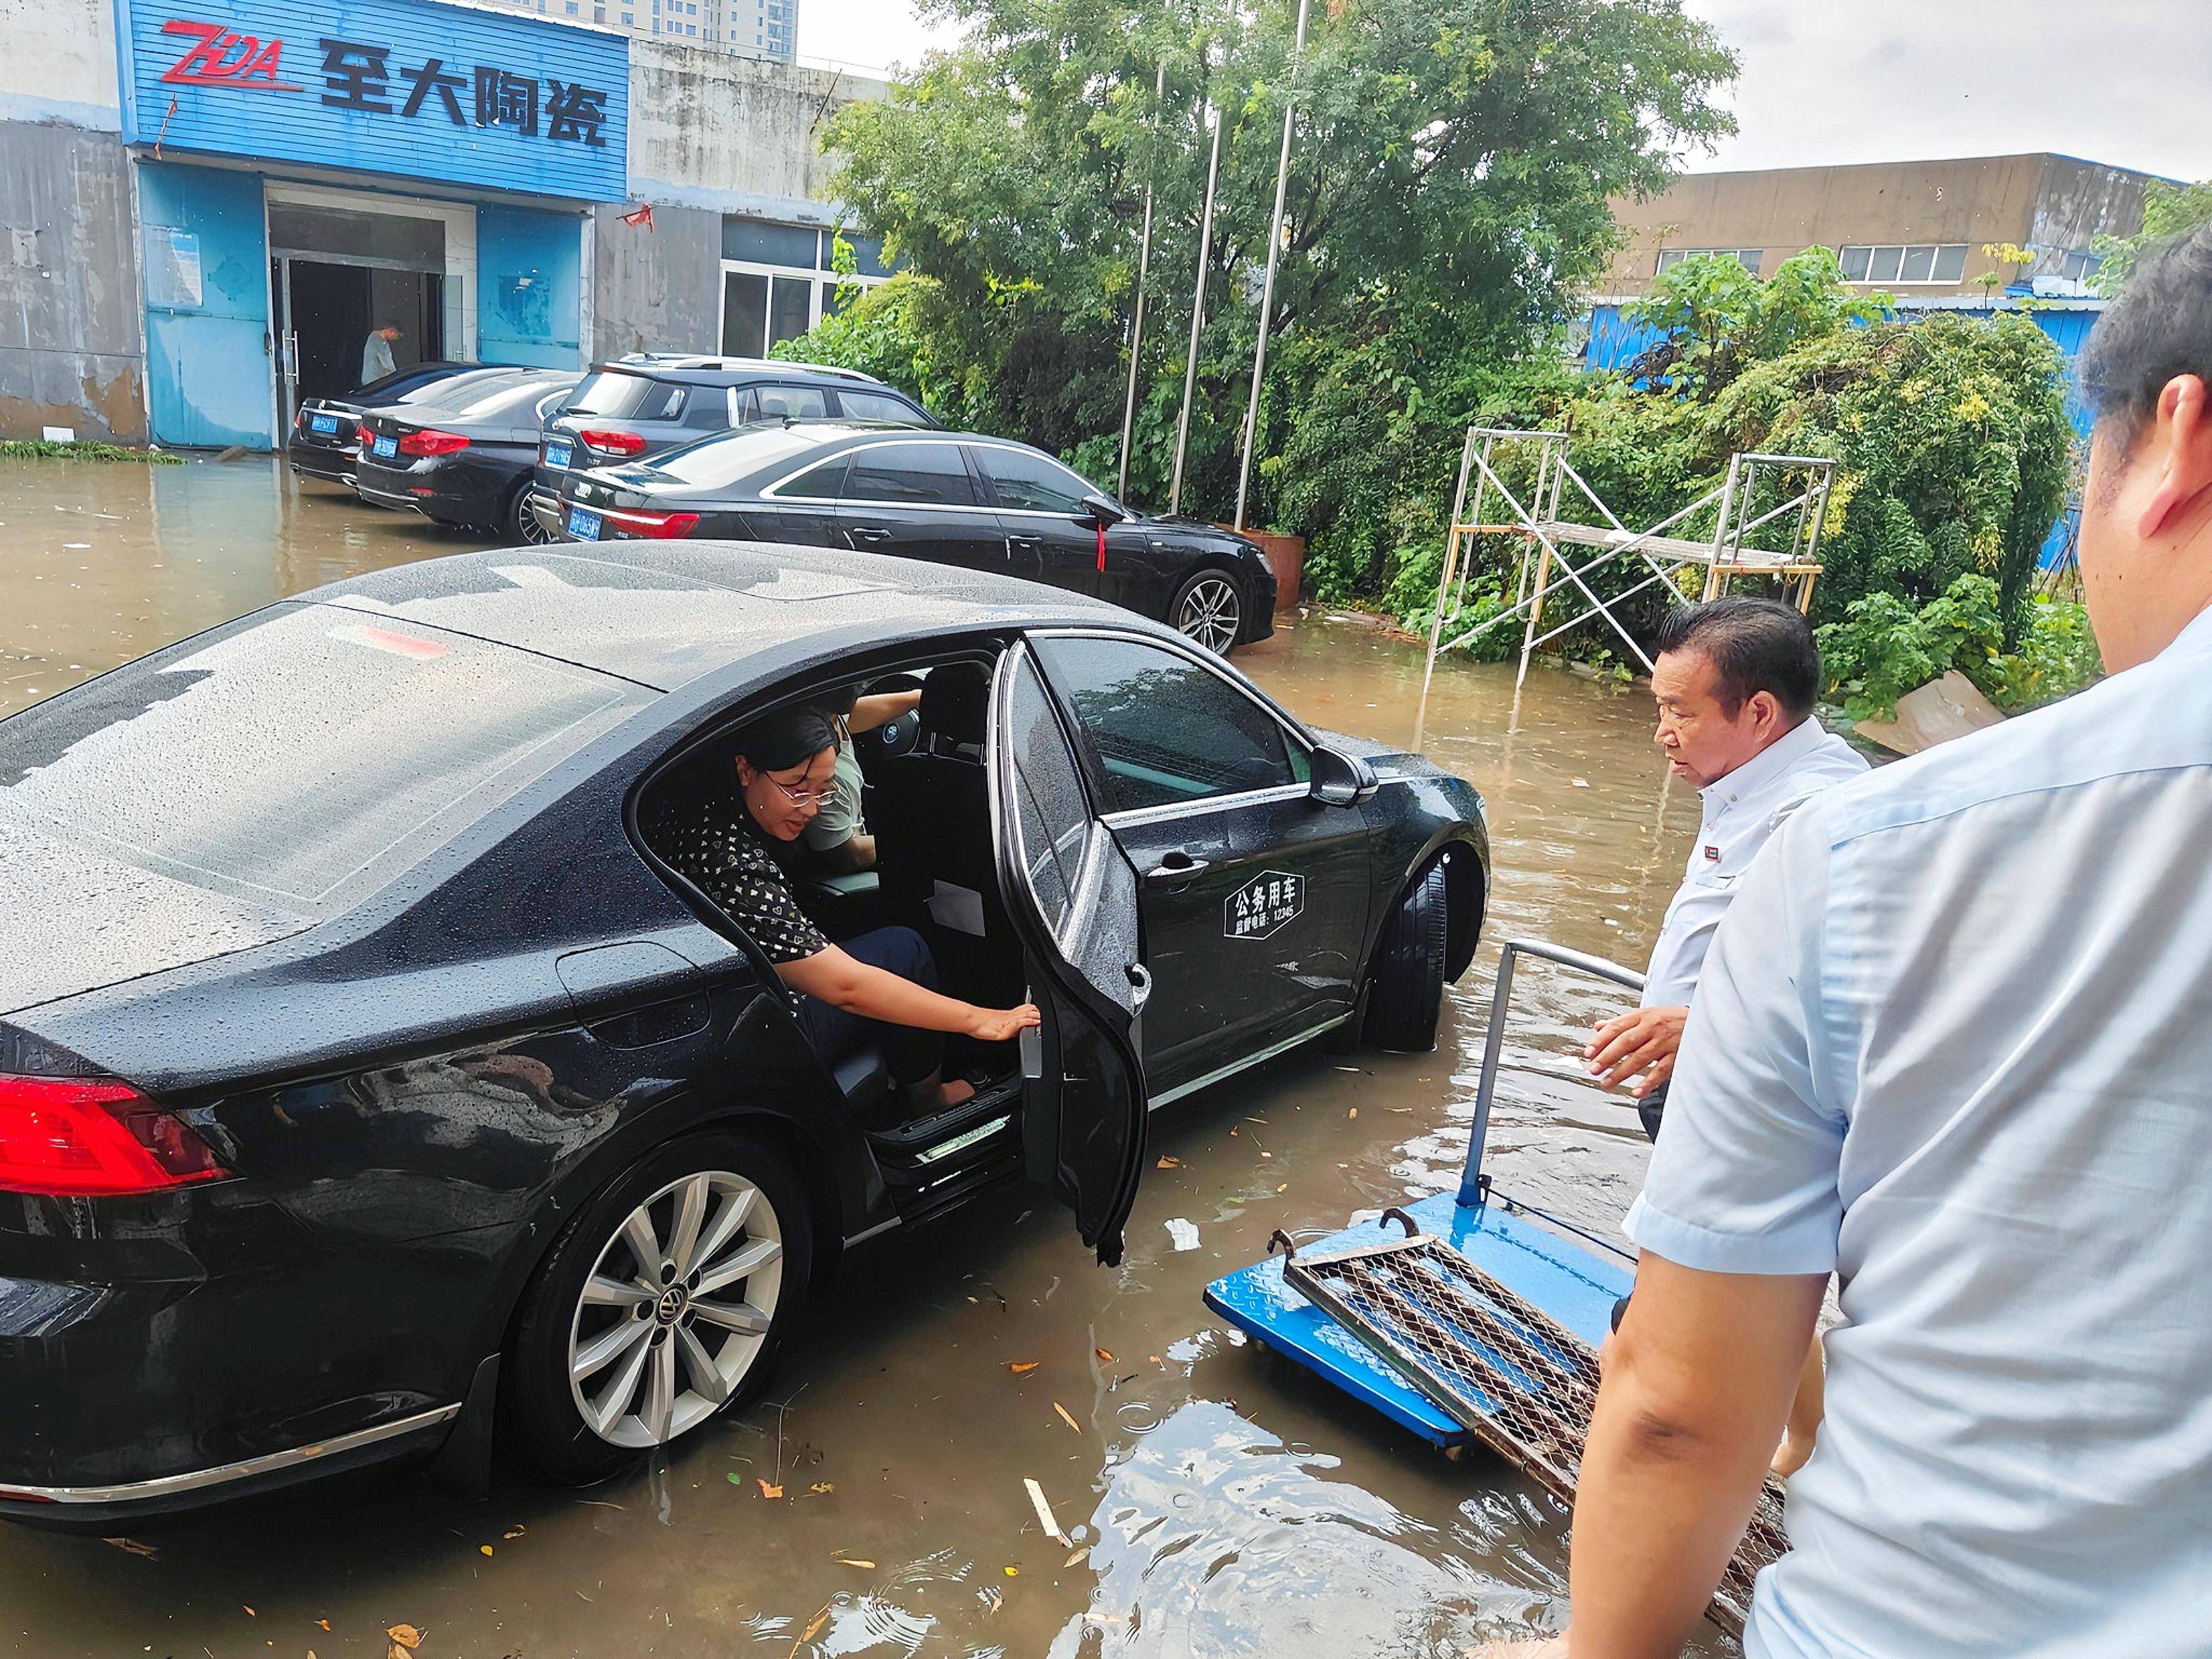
[(2169, 211), (1447, 200), (1716, 319)]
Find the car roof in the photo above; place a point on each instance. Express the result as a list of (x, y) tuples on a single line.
[(703, 368), (664, 614)]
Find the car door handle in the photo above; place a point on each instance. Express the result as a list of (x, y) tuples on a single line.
[(1175, 869), (1024, 543), (867, 533)]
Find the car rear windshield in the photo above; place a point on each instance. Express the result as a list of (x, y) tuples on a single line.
[(301, 756), (462, 389), (713, 463), (622, 396)]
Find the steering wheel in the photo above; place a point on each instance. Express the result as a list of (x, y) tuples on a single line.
[(899, 737)]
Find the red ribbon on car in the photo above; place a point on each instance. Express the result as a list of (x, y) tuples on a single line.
[(1101, 547)]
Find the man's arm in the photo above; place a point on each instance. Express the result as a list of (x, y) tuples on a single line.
[(880, 709), (1697, 1385), (1643, 1040)]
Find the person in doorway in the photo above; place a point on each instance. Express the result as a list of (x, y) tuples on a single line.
[(376, 354), (1950, 1044), (838, 837), (1735, 684), (880, 987)]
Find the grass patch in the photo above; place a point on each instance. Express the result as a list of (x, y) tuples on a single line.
[(29, 450)]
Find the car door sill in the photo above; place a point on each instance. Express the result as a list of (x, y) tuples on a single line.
[(1237, 1065)]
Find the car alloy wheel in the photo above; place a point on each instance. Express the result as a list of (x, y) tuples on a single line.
[(522, 519), (1208, 612), (677, 1310)]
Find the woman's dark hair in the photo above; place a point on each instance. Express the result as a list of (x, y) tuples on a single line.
[(1753, 645), (2159, 327), (789, 737)]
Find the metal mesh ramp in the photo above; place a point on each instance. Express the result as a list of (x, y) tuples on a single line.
[(1520, 1382)]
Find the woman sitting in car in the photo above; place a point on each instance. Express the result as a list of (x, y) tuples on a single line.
[(725, 834)]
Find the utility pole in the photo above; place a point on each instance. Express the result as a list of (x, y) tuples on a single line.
[(1144, 270), (1197, 311), (1274, 253)]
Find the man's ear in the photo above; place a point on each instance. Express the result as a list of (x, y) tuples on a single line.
[(1765, 710), (2182, 434)]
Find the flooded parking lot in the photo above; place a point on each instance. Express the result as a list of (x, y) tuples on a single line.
[(1217, 1502)]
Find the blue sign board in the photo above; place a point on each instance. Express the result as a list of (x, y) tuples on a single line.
[(404, 89)]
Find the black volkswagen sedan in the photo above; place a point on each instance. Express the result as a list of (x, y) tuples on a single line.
[(388, 1082), (465, 459), (324, 430)]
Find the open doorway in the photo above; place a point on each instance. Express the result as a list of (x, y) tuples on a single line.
[(334, 308)]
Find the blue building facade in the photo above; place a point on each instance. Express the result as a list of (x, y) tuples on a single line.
[(312, 173)]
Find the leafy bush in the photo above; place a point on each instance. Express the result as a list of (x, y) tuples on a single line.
[(1884, 647), (30, 449)]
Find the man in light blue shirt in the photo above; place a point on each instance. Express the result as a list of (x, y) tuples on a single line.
[(1954, 1042)]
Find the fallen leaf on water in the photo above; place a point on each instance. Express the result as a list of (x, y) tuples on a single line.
[(734, 1477), (769, 1491), (132, 1547), (322, 1624), (250, 1613), (814, 1628), (1168, 1163), (405, 1636), (1285, 1188), (515, 1534), (1075, 1558), (823, 1487), (1066, 1419), (486, 1548), (1013, 1572), (1104, 1355), (1354, 1112), (849, 1561), (1023, 1367), (1232, 1132), (1156, 1359)]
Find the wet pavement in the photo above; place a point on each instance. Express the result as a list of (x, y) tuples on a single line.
[(1218, 1501)]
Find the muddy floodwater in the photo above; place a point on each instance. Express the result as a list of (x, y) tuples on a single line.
[(1218, 1502)]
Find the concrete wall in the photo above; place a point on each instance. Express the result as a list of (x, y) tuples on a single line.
[(1785, 210), (71, 351), (60, 63), (657, 288), (733, 135)]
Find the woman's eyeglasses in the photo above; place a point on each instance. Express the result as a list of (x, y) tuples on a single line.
[(801, 797)]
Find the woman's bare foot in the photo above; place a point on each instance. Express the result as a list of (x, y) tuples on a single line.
[(1791, 1455)]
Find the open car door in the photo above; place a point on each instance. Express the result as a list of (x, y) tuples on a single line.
[(1072, 896)]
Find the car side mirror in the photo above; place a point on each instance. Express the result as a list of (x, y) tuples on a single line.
[(1342, 780), (1103, 511)]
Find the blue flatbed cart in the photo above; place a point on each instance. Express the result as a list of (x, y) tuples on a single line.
[(1469, 1316)]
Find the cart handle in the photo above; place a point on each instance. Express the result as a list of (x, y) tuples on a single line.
[(1493, 1041)]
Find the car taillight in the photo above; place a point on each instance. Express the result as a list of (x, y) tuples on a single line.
[(613, 441), (653, 526), (73, 1137), (432, 442)]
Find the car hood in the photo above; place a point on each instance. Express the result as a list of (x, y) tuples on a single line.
[(75, 919), (1367, 749)]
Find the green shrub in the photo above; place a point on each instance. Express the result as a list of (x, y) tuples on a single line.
[(25, 449), (1885, 646)]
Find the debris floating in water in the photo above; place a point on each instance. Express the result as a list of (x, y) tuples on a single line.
[(1183, 1233), (1044, 1514)]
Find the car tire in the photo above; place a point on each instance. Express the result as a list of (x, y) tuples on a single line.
[(1209, 610), (585, 1397), (522, 523), (1405, 993)]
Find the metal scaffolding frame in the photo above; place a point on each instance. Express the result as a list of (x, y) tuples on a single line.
[(1544, 533)]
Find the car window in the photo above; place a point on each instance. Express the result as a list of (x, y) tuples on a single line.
[(467, 388), (877, 406), (298, 754), (1167, 730), (792, 402), (825, 483), (1029, 481), (931, 474), (1051, 817), (623, 396), (514, 399), (713, 462)]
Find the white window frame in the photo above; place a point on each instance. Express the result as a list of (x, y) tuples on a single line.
[(813, 278), (1935, 252)]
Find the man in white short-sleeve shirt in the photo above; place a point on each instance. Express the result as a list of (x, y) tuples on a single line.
[(1954, 1042)]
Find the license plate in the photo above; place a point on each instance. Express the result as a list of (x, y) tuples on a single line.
[(583, 524), (385, 449), (558, 452), (324, 423)]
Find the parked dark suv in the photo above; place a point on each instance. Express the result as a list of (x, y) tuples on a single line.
[(644, 403)]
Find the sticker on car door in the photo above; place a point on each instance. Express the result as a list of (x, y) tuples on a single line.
[(1263, 905)]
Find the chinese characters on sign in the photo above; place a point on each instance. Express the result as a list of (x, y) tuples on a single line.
[(1263, 905), (360, 76)]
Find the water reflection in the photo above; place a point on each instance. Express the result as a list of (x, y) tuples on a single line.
[(1217, 1502)]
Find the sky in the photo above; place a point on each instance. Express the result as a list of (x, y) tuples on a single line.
[(2128, 82)]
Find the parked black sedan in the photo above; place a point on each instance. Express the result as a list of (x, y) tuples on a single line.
[(954, 498), (387, 1083), (465, 459), (324, 430)]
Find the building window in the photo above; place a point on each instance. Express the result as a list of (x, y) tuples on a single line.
[(1748, 257), (1916, 262), (777, 282), (2080, 265)]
